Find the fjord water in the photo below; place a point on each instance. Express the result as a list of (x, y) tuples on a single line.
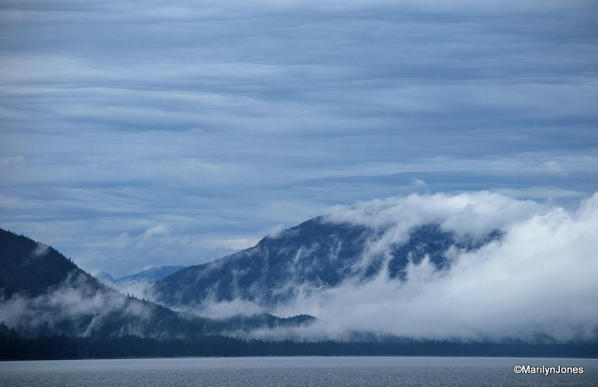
[(292, 371)]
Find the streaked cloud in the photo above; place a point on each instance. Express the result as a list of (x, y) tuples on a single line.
[(220, 121)]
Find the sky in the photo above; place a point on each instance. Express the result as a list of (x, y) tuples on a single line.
[(143, 133)]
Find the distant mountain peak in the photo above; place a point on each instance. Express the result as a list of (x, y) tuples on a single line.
[(145, 276)]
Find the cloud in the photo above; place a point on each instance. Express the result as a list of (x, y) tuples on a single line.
[(74, 307), (222, 120), (537, 280), (162, 246), (40, 250), (476, 213), (11, 161), (222, 310), (232, 244), (155, 231)]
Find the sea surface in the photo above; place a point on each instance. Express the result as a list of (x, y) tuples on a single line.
[(294, 371)]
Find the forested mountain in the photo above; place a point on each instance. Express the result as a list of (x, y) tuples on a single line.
[(51, 309), (31, 268), (44, 293), (317, 254), (150, 275)]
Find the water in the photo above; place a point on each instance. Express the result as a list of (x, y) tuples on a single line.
[(291, 371)]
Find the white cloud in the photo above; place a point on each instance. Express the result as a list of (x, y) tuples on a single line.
[(232, 244), (249, 114), (40, 250), (226, 309), (12, 161), (74, 301), (475, 213), (539, 279), (155, 231)]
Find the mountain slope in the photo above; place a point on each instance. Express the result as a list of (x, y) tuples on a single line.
[(150, 275), (43, 293), (143, 277), (317, 254), (32, 268)]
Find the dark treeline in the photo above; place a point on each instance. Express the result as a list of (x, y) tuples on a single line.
[(14, 347)]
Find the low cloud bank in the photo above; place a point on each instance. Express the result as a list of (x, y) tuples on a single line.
[(75, 307), (537, 281)]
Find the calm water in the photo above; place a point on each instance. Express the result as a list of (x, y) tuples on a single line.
[(291, 371)]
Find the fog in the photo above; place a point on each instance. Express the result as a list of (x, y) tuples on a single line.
[(75, 307), (537, 281)]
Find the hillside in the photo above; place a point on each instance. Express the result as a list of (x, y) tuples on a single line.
[(317, 254), (44, 293)]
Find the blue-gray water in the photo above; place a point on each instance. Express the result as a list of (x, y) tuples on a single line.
[(292, 371)]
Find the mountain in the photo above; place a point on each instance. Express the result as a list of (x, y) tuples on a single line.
[(150, 275), (317, 254), (31, 269), (44, 293), (146, 276), (106, 278)]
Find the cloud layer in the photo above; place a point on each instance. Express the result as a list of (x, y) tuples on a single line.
[(218, 121), (75, 307), (537, 281)]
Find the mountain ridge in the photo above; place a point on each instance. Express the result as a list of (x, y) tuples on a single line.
[(145, 276), (44, 293), (316, 254)]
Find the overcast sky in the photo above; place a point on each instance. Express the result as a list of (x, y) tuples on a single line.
[(142, 133)]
